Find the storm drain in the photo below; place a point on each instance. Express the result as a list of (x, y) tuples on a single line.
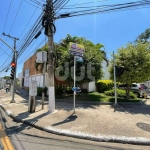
[(144, 126)]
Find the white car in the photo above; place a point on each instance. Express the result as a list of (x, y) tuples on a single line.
[(137, 88)]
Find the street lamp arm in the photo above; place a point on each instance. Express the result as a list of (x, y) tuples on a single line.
[(7, 44)]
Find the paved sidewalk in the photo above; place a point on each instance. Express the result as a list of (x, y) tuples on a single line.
[(128, 122)]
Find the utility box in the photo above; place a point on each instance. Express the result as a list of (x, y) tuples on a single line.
[(32, 94), (41, 57), (33, 88)]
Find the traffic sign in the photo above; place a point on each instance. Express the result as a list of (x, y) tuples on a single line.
[(75, 53), (76, 49), (74, 89), (79, 59)]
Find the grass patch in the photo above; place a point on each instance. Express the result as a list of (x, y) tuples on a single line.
[(96, 97), (101, 97)]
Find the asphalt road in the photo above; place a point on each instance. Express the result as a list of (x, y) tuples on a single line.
[(23, 137)]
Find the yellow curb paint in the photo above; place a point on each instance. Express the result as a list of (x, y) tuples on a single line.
[(5, 140)]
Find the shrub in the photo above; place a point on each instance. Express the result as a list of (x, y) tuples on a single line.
[(58, 90), (120, 93), (104, 85), (39, 91)]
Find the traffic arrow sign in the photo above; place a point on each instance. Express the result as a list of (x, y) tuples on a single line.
[(74, 89)]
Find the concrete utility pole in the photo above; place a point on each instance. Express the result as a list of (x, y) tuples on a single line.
[(43, 92), (48, 24), (14, 81), (15, 60)]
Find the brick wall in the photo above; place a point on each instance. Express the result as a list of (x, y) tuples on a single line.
[(30, 64)]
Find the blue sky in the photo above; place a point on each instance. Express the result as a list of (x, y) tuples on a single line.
[(113, 29)]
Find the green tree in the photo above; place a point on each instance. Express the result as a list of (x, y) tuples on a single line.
[(145, 36), (135, 60), (7, 77), (93, 54)]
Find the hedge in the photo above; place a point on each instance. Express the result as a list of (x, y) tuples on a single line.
[(39, 91), (120, 93), (104, 85)]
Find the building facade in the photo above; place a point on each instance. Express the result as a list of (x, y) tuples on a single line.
[(30, 73)]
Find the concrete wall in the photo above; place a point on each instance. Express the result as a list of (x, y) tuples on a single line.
[(2, 83), (105, 71), (91, 87), (30, 65)]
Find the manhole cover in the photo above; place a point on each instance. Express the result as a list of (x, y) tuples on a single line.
[(144, 126)]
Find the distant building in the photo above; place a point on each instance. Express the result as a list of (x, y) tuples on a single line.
[(30, 73), (20, 77), (105, 71), (2, 83)]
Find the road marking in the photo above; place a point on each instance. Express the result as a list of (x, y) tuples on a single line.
[(5, 140)]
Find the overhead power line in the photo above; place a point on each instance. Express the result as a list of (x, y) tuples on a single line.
[(30, 35), (32, 4), (5, 52), (106, 8), (16, 16), (81, 4), (7, 16), (60, 5), (82, 10)]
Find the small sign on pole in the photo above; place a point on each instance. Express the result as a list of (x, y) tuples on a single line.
[(77, 50), (79, 59)]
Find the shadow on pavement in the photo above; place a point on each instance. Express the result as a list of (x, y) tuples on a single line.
[(71, 118), (67, 105), (134, 109), (33, 120)]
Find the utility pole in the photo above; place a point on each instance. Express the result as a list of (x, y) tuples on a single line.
[(48, 24), (74, 96), (115, 104), (43, 92), (15, 60)]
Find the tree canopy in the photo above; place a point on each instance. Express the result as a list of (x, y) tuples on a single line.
[(145, 36), (64, 61), (135, 60), (93, 57)]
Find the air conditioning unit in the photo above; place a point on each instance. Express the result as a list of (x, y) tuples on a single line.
[(41, 57)]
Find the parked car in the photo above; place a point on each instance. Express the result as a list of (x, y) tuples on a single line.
[(137, 88)]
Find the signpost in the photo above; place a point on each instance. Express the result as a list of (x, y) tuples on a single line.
[(77, 50), (79, 59)]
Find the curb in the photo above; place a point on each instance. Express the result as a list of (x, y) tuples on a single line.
[(81, 135)]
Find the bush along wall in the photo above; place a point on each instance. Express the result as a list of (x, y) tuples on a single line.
[(39, 91), (104, 85), (58, 90), (120, 93)]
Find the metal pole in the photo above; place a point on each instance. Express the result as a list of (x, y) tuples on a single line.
[(14, 81), (7, 45), (3, 83), (114, 79), (74, 80), (43, 94)]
